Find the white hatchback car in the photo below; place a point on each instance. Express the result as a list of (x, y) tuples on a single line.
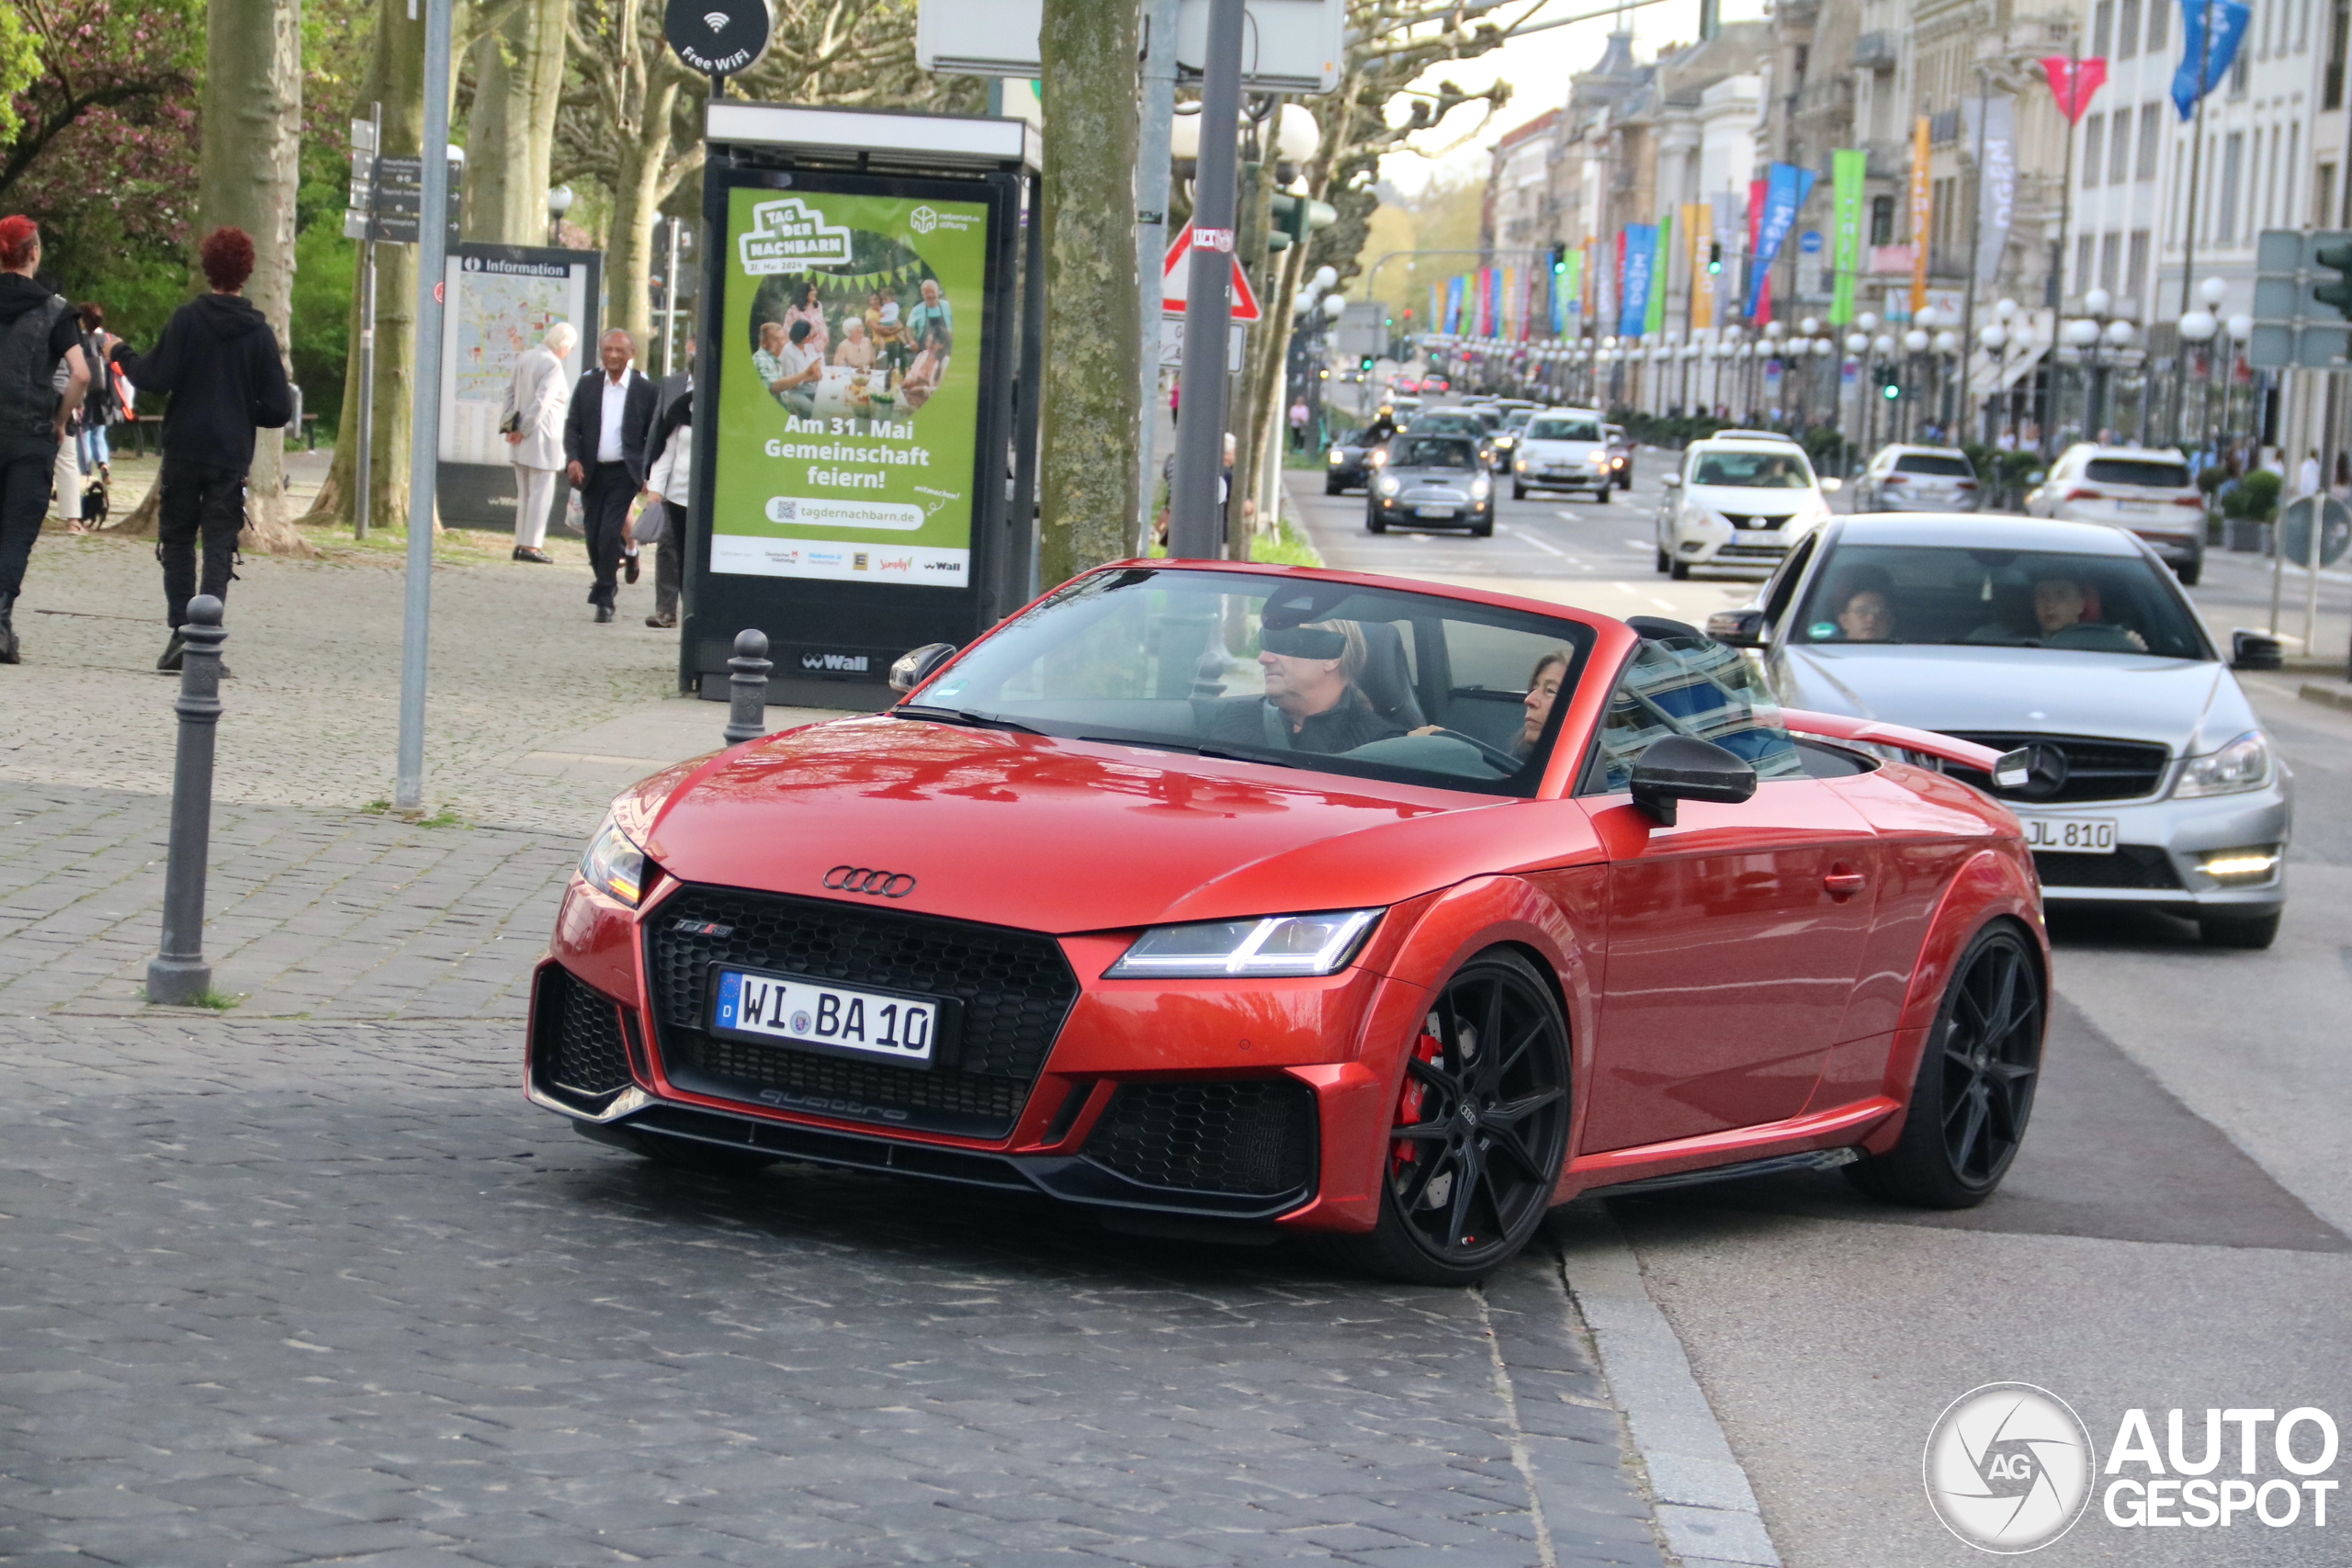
[(1916, 479), (1738, 499), (1562, 449), (2142, 491)]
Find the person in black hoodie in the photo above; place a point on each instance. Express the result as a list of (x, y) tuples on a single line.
[(220, 362), (43, 377)]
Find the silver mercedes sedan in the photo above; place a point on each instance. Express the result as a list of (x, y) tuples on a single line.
[(2153, 782)]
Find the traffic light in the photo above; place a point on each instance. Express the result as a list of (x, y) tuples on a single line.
[(1890, 384), (2337, 259), (1559, 259), (1714, 257), (1364, 363)]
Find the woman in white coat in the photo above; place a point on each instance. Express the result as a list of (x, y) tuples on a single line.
[(536, 400)]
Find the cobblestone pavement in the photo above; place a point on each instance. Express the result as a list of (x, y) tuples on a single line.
[(312, 914), (312, 717), (293, 1294)]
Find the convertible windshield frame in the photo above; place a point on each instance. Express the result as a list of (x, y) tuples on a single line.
[(1186, 659), (1966, 596)]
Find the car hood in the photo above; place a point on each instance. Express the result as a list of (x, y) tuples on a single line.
[(1067, 836), (1560, 451), (2191, 705)]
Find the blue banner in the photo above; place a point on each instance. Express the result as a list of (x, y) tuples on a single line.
[(1785, 188), (1454, 305), (1633, 298), (2230, 20)]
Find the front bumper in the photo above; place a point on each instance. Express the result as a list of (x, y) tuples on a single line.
[(1705, 542), (2161, 848), (1207, 1100)]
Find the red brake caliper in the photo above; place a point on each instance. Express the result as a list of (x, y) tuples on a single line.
[(1402, 1152)]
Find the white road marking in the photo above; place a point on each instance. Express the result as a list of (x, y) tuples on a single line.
[(1530, 538), (1662, 604)]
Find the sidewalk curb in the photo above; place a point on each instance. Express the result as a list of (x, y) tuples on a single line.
[(1705, 1506)]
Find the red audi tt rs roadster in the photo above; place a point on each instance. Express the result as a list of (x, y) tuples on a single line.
[(1385, 914)]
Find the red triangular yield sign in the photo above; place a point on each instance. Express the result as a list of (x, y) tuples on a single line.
[(1176, 276)]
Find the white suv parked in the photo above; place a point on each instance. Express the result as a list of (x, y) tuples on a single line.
[(2142, 492), (1738, 499)]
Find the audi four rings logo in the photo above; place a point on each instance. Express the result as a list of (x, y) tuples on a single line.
[(876, 884)]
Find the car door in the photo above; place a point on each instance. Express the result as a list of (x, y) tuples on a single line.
[(1734, 937)]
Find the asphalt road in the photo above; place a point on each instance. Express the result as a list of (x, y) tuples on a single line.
[(2174, 1233)]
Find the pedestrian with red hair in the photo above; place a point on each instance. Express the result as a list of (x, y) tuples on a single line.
[(219, 363), (43, 377)]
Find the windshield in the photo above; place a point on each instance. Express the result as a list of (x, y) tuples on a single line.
[(1751, 470), (1516, 419), (1432, 452), (2137, 472), (1563, 430), (1458, 423), (1924, 463), (1326, 677), (1920, 593)]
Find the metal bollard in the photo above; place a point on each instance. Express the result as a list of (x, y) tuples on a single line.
[(747, 688), (178, 975)]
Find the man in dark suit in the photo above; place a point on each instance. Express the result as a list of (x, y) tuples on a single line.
[(603, 441)]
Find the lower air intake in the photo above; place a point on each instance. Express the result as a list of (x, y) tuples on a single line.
[(1252, 1136)]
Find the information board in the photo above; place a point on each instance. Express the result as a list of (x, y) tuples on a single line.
[(500, 301), (850, 402)]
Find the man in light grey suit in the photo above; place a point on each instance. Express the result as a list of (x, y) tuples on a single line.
[(536, 400)]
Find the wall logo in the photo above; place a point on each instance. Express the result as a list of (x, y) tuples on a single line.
[(2009, 1467), (791, 236)]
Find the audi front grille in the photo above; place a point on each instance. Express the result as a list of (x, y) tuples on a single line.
[(1014, 987)]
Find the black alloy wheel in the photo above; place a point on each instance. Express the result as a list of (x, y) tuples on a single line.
[(1479, 1129), (1975, 1091)]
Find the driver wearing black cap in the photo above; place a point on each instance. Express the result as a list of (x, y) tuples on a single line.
[(1313, 702)]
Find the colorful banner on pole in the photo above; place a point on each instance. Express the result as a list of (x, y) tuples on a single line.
[(2229, 19), (1920, 153), (1996, 181), (1454, 307), (1785, 188), (1572, 295), (1638, 243), (1695, 231), (1756, 279), (1662, 270), (2074, 82), (1848, 167)]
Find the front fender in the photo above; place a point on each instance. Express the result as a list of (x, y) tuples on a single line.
[(1552, 917)]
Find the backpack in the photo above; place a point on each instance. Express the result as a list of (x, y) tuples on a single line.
[(28, 389), (98, 404)]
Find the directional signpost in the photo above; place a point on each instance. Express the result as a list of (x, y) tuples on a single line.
[(2303, 300)]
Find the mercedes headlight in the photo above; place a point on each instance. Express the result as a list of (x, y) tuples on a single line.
[(615, 866), (1275, 945), (2243, 764), (1385, 484)]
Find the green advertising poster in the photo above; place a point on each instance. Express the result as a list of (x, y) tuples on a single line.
[(1661, 269), (849, 399), (1848, 167)]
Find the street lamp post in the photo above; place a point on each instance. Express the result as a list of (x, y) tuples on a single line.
[(559, 203)]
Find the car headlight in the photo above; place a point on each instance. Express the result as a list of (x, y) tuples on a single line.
[(1600, 459), (1385, 484), (1479, 487), (2243, 764), (614, 864), (1274, 945), (1521, 464), (1338, 457)]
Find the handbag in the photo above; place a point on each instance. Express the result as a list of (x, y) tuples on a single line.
[(510, 425), (651, 521)]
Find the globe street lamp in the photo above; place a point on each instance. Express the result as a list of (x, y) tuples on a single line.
[(559, 203)]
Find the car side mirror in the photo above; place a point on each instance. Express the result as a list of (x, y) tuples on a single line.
[(1672, 481), (2254, 651), (1682, 767), (914, 667), (2037, 477), (1831, 486), (1739, 628)]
